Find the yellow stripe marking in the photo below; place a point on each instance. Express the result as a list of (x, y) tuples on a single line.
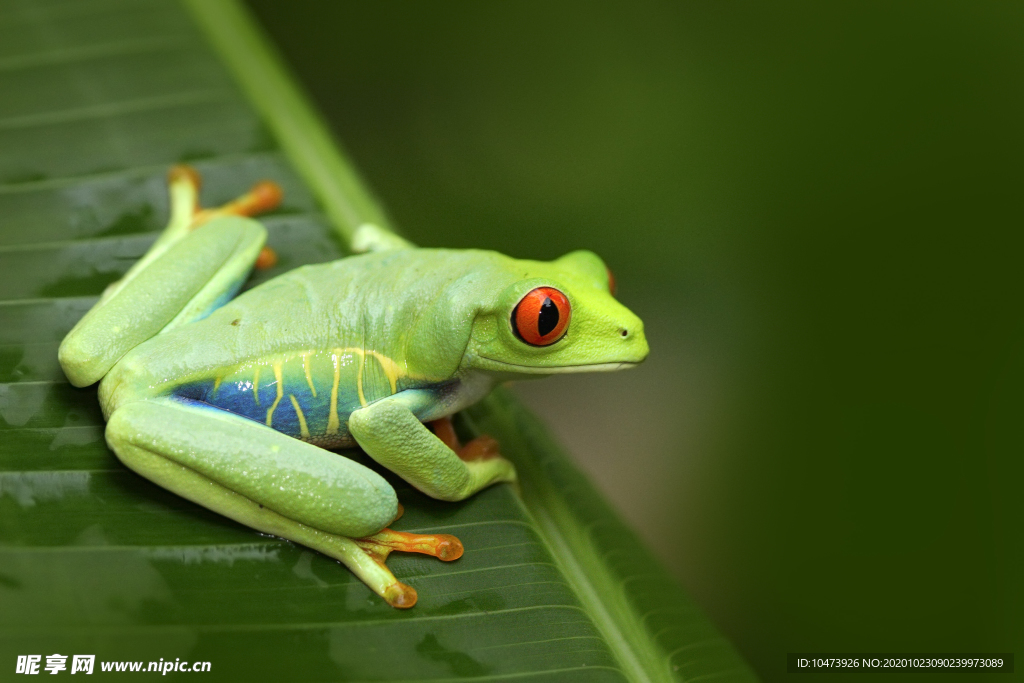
[(359, 376), (280, 393), (390, 368), (216, 384), (309, 374), (332, 417), (302, 418)]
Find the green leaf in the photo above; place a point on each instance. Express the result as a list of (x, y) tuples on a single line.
[(97, 99)]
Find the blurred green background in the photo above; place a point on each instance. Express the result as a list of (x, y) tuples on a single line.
[(816, 209)]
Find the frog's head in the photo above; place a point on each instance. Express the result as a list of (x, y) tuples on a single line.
[(554, 317)]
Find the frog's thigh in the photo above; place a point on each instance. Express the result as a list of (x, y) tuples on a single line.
[(392, 435), (249, 472), (182, 284)]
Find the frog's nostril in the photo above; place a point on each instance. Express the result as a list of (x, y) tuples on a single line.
[(625, 333)]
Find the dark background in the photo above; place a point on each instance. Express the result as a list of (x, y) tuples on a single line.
[(816, 209)]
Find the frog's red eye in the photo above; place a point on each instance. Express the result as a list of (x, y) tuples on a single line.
[(611, 281), (540, 317)]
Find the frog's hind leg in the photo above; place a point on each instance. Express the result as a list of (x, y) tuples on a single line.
[(273, 483), (188, 280), (183, 185), (184, 276)]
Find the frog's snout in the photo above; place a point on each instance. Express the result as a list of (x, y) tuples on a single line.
[(634, 341)]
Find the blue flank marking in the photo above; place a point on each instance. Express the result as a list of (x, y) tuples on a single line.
[(286, 422), (237, 397)]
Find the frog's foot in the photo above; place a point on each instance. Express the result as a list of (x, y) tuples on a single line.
[(444, 547), (262, 197), (480, 448), (380, 545)]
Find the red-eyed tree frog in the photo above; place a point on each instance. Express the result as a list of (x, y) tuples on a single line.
[(231, 402)]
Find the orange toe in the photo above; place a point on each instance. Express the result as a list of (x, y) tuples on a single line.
[(266, 259), (442, 546), (184, 172), (400, 595)]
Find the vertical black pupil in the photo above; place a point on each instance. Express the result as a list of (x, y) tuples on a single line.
[(548, 318)]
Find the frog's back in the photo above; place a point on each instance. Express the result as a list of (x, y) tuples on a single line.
[(303, 351)]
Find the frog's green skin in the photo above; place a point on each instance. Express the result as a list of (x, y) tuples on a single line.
[(228, 408)]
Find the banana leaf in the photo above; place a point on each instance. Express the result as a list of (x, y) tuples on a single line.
[(97, 99)]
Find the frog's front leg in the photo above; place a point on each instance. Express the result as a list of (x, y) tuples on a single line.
[(273, 483), (391, 434)]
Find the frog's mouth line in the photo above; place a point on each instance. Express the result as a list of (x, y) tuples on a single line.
[(561, 369)]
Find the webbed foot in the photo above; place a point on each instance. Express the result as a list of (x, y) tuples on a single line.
[(444, 547), (380, 545)]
